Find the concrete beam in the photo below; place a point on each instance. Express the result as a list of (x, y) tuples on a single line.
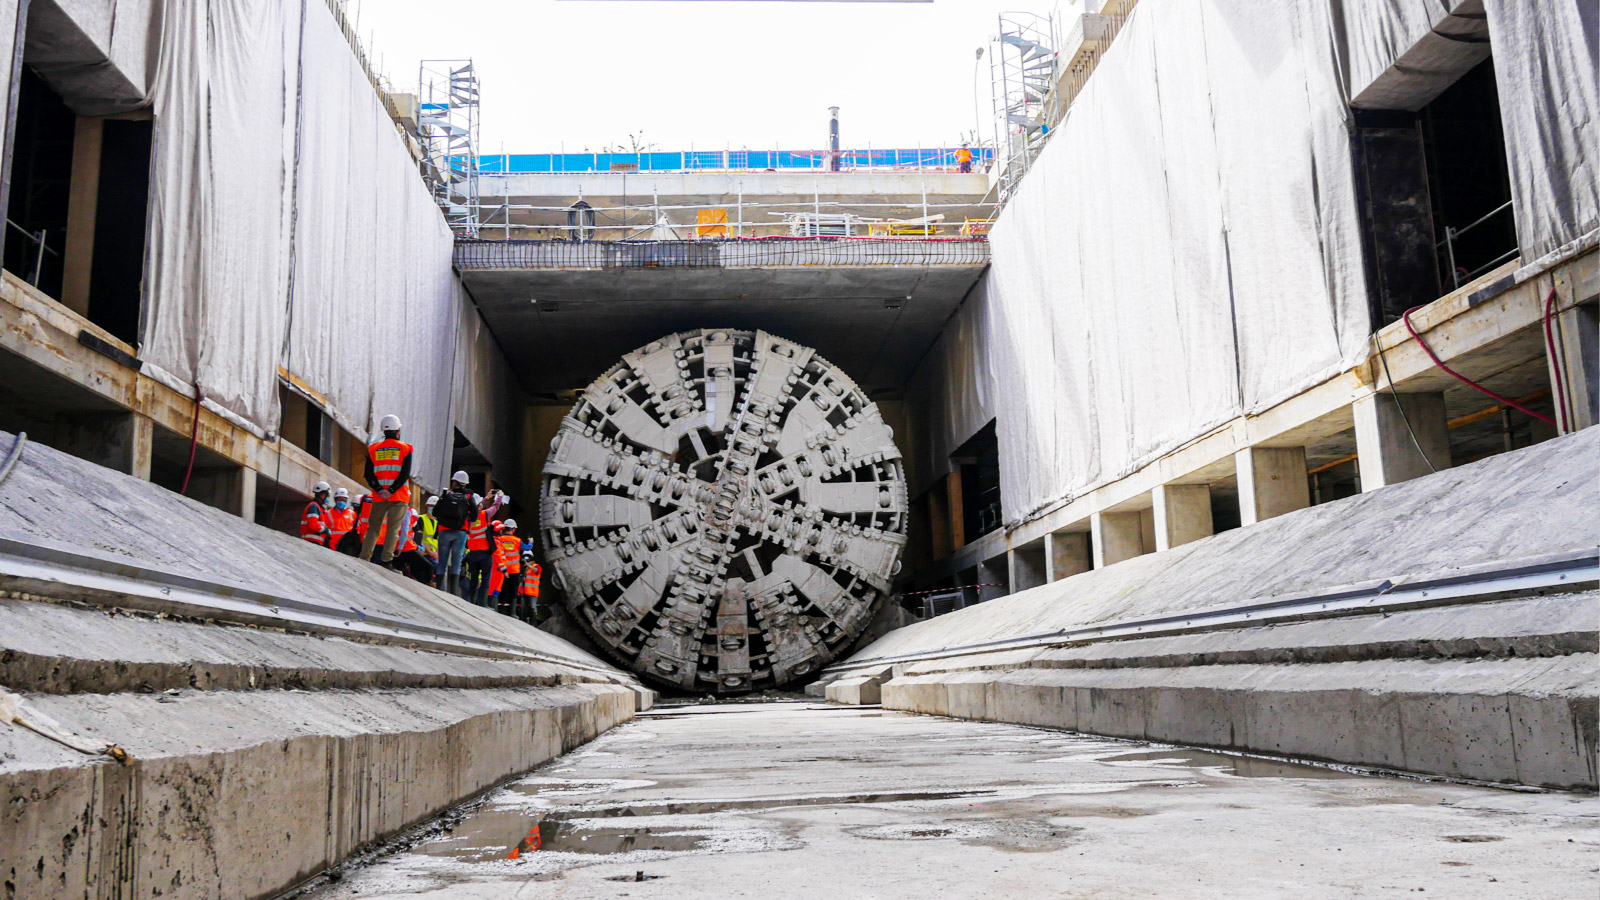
[(1066, 554), (1182, 514), (1117, 536), (1272, 481), (1391, 429)]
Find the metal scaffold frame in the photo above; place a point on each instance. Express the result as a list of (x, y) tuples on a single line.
[(447, 123), (1023, 69)]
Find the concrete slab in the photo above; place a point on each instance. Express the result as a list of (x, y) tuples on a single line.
[(872, 804)]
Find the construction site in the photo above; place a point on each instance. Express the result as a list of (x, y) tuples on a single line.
[(1182, 484)]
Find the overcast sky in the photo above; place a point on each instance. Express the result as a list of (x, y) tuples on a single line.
[(581, 74)]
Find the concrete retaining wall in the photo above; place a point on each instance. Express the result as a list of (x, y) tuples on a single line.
[(231, 741), (243, 795), (1502, 685)]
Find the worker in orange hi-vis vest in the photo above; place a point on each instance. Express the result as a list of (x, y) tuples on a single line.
[(341, 516), (505, 585), (389, 475), (528, 604), (315, 526)]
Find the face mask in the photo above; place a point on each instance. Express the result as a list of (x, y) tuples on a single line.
[(342, 504)]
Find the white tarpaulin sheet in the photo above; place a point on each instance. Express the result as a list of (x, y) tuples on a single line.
[(1186, 249), (1544, 66), (290, 228), (1150, 280)]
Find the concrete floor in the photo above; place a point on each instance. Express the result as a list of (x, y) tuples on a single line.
[(782, 800)]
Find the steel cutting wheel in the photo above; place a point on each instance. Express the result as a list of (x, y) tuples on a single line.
[(724, 511)]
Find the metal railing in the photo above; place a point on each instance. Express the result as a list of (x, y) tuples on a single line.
[(921, 159), (730, 252), (39, 239), (1458, 274)]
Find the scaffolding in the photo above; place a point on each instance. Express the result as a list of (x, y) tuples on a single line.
[(1023, 71), (447, 125)]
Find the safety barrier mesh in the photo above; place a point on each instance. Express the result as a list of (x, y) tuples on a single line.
[(747, 252)]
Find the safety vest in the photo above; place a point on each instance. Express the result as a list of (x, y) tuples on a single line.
[(387, 456), (314, 525), (508, 553), (341, 520), (530, 581), (430, 533), (363, 513), (478, 532)]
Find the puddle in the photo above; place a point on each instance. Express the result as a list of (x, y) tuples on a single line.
[(1228, 764), (703, 807), (1018, 835), (1472, 838)]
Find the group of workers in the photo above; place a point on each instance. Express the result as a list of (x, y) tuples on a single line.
[(457, 545)]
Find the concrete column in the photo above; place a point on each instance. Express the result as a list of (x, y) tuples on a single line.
[(116, 440), (1385, 450), (1117, 536), (1182, 514), (1272, 481), (82, 202), (232, 489), (1066, 553), (1577, 338), (957, 517), (1027, 567), (994, 572)]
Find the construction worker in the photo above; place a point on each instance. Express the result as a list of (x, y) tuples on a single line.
[(480, 551), (428, 537), (507, 589), (342, 516), (964, 158), (315, 525), (410, 560), (457, 508), (350, 544), (529, 602), (389, 475)]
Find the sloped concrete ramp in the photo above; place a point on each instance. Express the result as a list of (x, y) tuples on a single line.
[(195, 706), (1446, 625)]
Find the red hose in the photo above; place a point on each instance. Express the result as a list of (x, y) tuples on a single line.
[(1507, 401), (194, 441), (1556, 378)]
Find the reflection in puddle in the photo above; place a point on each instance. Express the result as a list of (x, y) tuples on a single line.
[(1229, 764), (511, 834)]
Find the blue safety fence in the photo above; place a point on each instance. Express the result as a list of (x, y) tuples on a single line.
[(725, 160)]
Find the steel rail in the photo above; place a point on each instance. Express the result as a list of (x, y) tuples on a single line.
[(1564, 573), (29, 565)]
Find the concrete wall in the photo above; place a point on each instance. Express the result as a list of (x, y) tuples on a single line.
[(1499, 683), (181, 720)]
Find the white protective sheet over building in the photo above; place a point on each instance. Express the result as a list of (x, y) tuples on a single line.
[(1187, 247), (291, 229)]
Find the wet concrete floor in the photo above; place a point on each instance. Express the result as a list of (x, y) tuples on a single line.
[(798, 800)]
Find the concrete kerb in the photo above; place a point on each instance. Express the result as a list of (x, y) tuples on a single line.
[(272, 801), (860, 688)]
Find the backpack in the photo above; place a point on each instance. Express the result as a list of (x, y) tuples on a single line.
[(453, 510)]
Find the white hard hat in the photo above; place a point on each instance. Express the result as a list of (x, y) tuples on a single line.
[(509, 523), (320, 487), (459, 478), (342, 493), (391, 422), (432, 501)]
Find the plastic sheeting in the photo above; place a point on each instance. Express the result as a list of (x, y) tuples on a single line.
[(290, 227), (1150, 279), (1544, 65), (1186, 249)]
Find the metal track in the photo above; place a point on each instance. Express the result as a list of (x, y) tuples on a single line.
[(1560, 573), (56, 571)]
